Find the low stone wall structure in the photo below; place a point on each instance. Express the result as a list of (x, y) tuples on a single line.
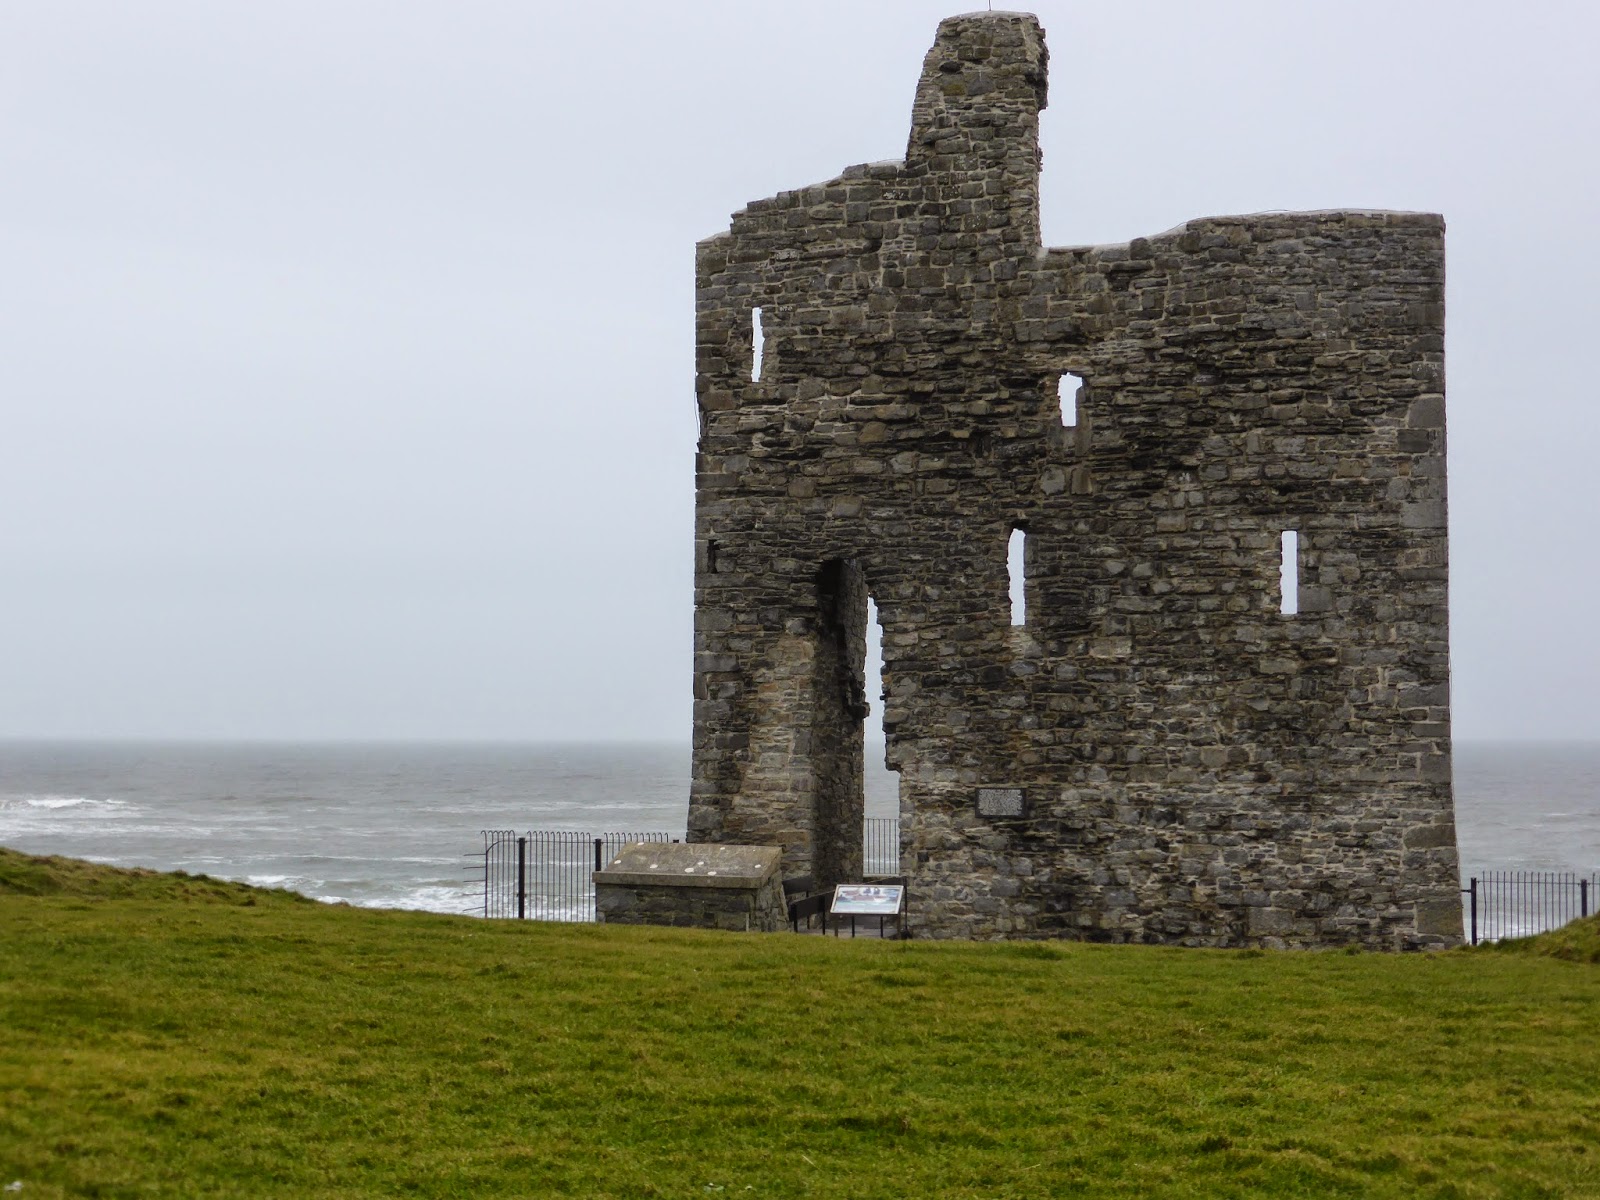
[(696, 886)]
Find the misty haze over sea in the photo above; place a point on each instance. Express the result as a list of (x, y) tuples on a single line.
[(391, 825)]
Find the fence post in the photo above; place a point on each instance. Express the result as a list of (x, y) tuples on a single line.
[(1474, 910), (599, 850), (1583, 897), (522, 878)]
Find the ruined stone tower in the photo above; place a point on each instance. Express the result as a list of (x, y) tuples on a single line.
[(1158, 752)]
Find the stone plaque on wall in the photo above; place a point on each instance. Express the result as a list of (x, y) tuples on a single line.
[(1000, 802)]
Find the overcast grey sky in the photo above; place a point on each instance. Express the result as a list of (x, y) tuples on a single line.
[(346, 347)]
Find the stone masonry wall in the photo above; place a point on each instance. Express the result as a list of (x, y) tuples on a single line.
[(757, 909), (1194, 765)]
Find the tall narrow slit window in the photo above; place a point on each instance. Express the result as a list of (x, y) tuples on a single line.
[(881, 783), (758, 347), (873, 730), (1289, 574), (1016, 557), (1068, 389)]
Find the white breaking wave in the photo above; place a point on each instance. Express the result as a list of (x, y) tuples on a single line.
[(450, 899), (60, 802), (34, 814)]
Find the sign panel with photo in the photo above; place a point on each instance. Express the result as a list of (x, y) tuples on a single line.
[(868, 899)]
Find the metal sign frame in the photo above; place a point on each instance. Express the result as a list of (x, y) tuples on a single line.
[(868, 899)]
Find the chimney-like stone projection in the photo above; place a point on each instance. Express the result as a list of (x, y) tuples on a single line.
[(1203, 731)]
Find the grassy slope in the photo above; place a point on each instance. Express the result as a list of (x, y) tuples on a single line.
[(172, 1036), (1577, 942)]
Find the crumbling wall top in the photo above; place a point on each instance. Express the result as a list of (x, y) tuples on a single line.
[(984, 83)]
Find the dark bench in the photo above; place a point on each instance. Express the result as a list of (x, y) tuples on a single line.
[(805, 903)]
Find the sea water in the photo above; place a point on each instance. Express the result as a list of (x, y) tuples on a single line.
[(396, 825), (390, 825)]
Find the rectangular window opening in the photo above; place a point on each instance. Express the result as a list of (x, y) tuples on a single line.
[(1016, 553), (1289, 574), (1068, 388), (874, 672), (758, 345), (881, 843)]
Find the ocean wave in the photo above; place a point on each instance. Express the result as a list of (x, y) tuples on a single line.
[(449, 899), (52, 803)]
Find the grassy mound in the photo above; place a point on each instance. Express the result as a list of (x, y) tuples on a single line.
[(171, 1039), (1578, 941), (32, 875)]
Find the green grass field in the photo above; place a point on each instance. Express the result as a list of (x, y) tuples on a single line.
[(174, 1036)]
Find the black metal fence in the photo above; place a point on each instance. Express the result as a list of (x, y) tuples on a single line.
[(880, 846), (544, 875), (1510, 904)]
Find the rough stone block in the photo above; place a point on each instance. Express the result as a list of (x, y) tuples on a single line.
[(1271, 921), (1439, 919), (693, 884), (1426, 837)]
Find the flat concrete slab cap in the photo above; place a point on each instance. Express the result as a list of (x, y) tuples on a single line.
[(691, 864)]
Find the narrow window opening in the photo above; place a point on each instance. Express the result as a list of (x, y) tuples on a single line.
[(1016, 554), (711, 555), (874, 673), (881, 840), (758, 345), (1069, 387), (1289, 573)]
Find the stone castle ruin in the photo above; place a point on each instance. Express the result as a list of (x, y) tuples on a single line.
[(1165, 742)]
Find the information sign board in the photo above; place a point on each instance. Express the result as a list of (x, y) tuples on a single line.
[(868, 899)]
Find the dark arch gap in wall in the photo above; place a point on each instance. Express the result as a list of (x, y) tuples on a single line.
[(838, 715)]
